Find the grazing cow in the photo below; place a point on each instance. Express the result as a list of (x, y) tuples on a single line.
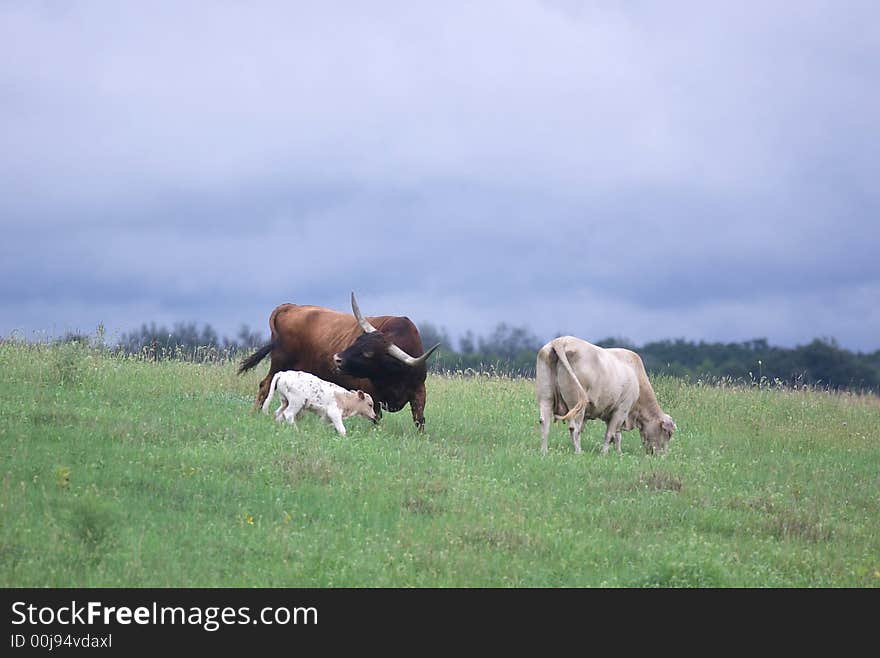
[(302, 390), (382, 356), (594, 382)]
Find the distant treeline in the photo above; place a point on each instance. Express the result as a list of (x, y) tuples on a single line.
[(511, 350), (821, 362), (186, 338)]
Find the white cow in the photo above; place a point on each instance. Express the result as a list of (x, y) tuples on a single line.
[(578, 381), (302, 390)]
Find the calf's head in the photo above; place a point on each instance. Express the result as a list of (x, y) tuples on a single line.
[(656, 433), (357, 403)]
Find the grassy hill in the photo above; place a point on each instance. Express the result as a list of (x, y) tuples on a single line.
[(121, 472)]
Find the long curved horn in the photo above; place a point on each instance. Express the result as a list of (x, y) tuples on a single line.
[(400, 355), (393, 349), (366, 326)]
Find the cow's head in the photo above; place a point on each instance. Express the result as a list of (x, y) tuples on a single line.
[(374, 356), (656, 433)]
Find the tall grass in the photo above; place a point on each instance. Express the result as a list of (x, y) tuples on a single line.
[(128, 471)]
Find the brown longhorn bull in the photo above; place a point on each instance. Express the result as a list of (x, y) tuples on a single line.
[(381, 355)]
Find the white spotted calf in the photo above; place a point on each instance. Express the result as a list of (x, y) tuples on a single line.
[(301, 390)]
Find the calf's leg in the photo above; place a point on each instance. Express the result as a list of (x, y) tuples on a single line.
[(279, 412), (334, 415), (295, 405)]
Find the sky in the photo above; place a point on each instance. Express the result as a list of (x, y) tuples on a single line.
[(644, 170)]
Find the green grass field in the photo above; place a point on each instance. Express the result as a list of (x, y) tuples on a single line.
[(120, 472)]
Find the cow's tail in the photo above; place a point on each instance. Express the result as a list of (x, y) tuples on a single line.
[(268, 401), (582, 394), (256, 357)]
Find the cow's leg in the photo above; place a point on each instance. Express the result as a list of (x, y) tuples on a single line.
[(612, 431), (575, 425), (608, 436), (547, 393), (545, 418), (417, 405)]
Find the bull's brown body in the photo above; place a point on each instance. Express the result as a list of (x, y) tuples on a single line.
[(308, 338)]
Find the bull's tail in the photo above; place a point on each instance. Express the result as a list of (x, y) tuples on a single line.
[(268, 401), (582, 394), (256, 357)]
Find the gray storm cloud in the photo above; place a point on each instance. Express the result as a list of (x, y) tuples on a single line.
[(642, 170)]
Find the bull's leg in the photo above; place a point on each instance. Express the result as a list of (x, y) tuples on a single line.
[(263, 390), (417, 405), (545, 409), (277, 364), (617, 441)]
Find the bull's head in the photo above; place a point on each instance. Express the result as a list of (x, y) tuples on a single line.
[(656, 433), (374, 355)]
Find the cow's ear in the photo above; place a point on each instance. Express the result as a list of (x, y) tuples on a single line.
[(668, 424), (360, 394)]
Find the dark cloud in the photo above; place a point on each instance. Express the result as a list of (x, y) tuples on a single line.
[(697, 171)]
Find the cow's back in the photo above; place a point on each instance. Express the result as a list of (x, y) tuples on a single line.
[(647, 398), (322, 329), (608, 380)]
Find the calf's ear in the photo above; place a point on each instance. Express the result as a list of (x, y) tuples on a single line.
[(668, 424), (360, 394)]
